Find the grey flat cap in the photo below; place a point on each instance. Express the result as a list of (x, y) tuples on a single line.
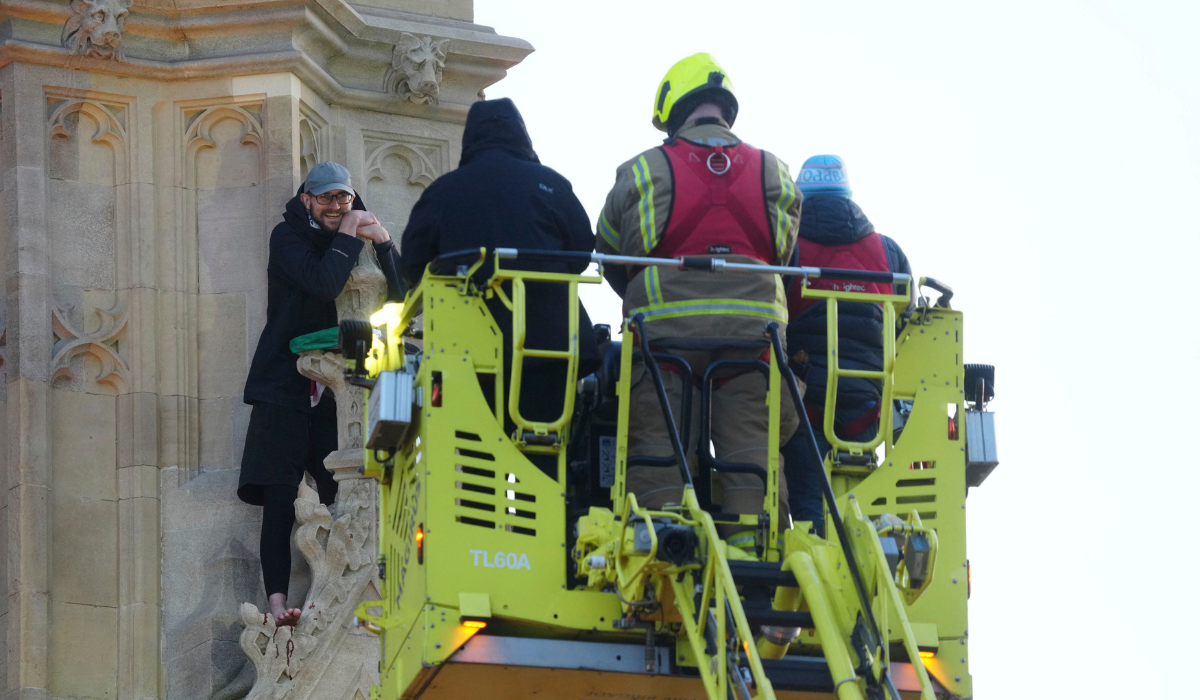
[(326, 177)]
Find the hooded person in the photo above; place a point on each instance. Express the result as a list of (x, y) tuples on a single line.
[(834, 232), (501, 196), (293, 423)]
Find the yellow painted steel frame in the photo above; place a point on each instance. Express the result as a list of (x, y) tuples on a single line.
[(774, 393), (890, 303), (470, 527), (923, 470), (492, 524)]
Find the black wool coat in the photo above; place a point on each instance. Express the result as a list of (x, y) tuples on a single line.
[(501, 196), (306, 271)]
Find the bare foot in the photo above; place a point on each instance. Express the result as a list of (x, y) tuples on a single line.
[(284, 616)]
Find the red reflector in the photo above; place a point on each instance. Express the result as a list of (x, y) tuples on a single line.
[(437, 395)]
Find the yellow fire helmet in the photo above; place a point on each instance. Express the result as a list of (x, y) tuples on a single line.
[(688, 79)]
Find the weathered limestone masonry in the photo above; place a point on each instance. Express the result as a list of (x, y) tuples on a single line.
[(146, 151)]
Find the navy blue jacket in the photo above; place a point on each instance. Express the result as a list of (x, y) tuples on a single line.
[(307, 270), (501, 196), (835, 220)]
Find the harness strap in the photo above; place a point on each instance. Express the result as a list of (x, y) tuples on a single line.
[(846, 432)]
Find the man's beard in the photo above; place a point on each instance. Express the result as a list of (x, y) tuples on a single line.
[(322, 224)]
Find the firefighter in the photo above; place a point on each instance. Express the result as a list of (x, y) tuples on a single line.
[(703, 192), (834, 232)]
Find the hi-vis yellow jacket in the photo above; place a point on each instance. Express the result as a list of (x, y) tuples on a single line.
[(696, 307)]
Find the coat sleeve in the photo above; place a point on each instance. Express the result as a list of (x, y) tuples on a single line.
[(898, 262), (783, 202), (575, 229), (389, 262), (419, 243), (635, 213), (322, 275)]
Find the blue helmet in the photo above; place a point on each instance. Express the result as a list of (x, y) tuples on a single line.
[(824, 175)]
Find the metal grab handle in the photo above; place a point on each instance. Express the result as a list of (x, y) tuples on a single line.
[(946, 292), (706, 389), (835, 372), (520, 352)]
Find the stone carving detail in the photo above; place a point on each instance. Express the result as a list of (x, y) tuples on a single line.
[(326, 367), (366, 289), (110, 118), (313, 146), (74, 350), (310, 147), (418, 156), (199, 126), (362, 296), (416, 72), (341, 554), (95, 28)]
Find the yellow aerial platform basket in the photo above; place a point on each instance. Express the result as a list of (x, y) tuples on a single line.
[(516, 566)]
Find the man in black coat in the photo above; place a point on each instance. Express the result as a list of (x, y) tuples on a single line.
[(293, 425), (501, 196)]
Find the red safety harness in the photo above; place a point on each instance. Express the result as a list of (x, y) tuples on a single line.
[(866, 253), (718, 206)]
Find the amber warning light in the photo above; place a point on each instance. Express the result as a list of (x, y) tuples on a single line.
[(421, 543), (473, 624)]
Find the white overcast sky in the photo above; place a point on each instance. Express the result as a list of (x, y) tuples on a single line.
[(1043, 159)]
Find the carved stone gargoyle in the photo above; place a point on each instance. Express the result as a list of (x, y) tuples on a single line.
[(324, 655)]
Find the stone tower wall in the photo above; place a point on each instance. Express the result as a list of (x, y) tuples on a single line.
[(145, 153)]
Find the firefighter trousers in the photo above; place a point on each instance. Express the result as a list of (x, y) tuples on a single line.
[(739, 431)]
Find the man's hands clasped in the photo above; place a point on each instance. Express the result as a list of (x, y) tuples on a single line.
[(364, 224)]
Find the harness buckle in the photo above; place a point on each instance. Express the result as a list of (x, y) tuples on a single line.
[(719, 150)]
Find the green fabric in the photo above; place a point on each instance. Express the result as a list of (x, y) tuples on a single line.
[(321, 340)]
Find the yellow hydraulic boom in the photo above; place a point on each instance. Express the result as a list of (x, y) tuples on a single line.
[(506, 578)]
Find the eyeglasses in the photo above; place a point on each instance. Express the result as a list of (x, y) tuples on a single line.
[(327, 197)]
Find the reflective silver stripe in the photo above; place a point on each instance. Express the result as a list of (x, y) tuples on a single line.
[(717, 307)]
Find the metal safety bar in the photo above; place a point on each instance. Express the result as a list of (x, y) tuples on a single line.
[(707, 459), (704, 264), (663, 401)]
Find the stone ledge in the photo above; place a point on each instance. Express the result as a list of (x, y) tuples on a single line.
[(340, 52)]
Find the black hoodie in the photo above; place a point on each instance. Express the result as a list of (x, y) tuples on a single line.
[(307, 270), (830, 219), (501, 196)]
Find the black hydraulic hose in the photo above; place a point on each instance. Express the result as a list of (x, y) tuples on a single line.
[(826, 486), (663, 401)]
